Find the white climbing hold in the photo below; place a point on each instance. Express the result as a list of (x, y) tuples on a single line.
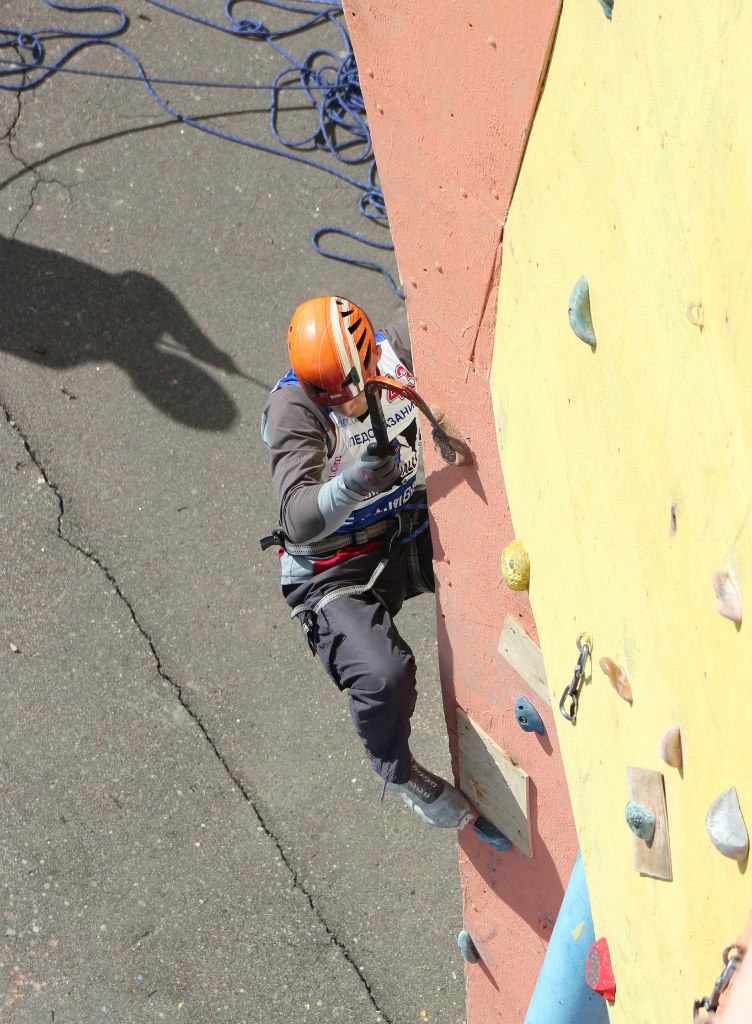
[(729, 602), (726, 827)]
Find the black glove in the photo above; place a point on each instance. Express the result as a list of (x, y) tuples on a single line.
[(371, 473)]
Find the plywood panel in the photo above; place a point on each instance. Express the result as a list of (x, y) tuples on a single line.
[(497, 786), (654, 858), (525, 657)]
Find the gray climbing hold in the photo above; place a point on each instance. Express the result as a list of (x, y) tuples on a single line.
[(726, 827), (467, 947), (641, 820), (608, 7), (580, 317)]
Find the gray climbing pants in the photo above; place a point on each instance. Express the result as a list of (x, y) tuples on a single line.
[(363, 652)]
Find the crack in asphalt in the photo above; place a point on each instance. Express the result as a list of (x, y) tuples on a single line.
[(16, 116), (37, 178), (297, 882)]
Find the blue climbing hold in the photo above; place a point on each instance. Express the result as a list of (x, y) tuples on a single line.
[(608, 7), (467, 947), (527, 717), (490, 834), (580, 317)]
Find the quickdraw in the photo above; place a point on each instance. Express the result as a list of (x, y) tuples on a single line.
[(732, 958), (572, 692)]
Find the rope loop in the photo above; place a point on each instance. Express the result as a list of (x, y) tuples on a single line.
[(329, 80)]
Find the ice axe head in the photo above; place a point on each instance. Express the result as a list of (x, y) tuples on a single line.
[(446, 438)]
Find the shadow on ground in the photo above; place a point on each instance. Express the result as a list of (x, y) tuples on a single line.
[(60, 312)]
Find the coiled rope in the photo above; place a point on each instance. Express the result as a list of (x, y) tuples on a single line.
[(329, 81)]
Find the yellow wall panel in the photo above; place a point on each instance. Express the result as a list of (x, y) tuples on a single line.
[(638, 175)]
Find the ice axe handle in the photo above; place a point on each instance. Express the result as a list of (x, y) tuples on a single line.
[(381, 444)]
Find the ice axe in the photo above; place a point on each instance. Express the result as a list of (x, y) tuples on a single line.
[(448, 443)]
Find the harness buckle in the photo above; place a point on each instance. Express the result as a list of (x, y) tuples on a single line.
[(309, 625), (275, 539)]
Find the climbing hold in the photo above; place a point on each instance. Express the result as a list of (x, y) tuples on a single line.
[(726, 827), (641, 820), (467, 947), (673, 527), (527, 717), (490, 834), (729, 602), (599, 973), (515, 566), (608, 6), (618, 677), (671, 747), (695, 315), (580, 317), (446, 438)]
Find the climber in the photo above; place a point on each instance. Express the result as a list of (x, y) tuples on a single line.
[(353, 534)]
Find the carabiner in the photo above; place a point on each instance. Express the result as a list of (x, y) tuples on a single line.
[(572, 692), (732, 957)]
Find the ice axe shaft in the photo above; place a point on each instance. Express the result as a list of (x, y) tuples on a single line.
[(451, 447)]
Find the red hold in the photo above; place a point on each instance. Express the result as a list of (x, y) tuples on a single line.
[(599, 974)]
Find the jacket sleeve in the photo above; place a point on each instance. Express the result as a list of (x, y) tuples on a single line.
[(295, 433)]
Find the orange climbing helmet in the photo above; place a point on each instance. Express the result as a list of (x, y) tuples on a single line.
[(332, 349)]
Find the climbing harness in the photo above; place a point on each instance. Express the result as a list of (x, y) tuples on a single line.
[(327, 545), (732, 958), (572, 692), (403, 528)]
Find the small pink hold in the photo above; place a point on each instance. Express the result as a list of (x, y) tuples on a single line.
[(463, 193), (729, 602), (618, 677), (379, 108), (491, 42)]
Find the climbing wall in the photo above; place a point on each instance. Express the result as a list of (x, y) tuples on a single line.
[(627, 461), (451, 96)]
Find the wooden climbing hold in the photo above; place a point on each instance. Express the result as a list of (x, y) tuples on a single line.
[(671, 747), (653, 858), (618, 677), (515, 566), (599, 973), (726, 826), (580, 317)]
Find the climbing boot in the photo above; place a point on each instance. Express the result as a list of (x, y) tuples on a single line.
[(434, 800)]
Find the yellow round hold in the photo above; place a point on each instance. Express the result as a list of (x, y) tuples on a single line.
[(515, 565)]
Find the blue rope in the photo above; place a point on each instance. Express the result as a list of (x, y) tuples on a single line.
[(330, 83)]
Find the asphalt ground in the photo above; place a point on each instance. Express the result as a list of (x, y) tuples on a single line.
[(190, 830)]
